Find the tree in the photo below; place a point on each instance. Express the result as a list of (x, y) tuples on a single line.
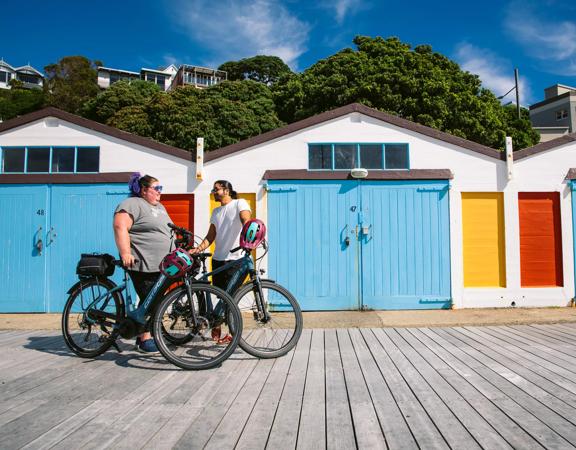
[(261, 68), (417, 84), (120, 95), (222, 114), (15, 102), (71, 82)]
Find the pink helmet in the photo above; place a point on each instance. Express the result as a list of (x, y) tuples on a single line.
[(253, 233), (176, 263)]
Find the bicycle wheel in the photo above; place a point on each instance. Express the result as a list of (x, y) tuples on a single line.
[(275, 331), (89, 316), (200, 346)]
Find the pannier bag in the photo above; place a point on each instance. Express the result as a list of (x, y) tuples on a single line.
[(92, 264)]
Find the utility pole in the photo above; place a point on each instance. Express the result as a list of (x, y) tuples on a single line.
[(517, 92)]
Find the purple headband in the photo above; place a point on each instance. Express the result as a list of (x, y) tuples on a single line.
[(133, 184)]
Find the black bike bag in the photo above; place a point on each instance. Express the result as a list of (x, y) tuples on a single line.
[(95, 264)]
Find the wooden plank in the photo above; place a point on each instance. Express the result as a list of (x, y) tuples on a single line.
[(451, 428), (546, 340), (543, 352), (462, 381), (453, 353), (482, 432), (312, 427), (510, 383), (555, 331), (393, 423), (283, 432), (422, 427), (523, 359), (366, 424), (257, 429), (339, 425)]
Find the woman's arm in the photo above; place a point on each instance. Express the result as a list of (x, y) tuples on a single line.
[(122, 224)]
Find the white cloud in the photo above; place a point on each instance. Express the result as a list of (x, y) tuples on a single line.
[(496, 73), (235, 29), (552, 42), (342, 8)]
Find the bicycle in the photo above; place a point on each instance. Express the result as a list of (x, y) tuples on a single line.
[(272, 318), (96, 315)]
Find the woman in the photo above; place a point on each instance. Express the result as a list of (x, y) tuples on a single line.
[(141, 233)]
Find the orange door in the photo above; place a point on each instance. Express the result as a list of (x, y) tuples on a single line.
[(540, 239), (180, 208)]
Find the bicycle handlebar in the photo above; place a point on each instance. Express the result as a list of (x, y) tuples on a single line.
[(180, 230)]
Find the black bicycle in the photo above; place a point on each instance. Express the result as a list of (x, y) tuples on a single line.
[(272, 318), (98, 312)]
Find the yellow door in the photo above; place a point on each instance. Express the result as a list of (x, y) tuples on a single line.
[(483, 239), (249, 197)]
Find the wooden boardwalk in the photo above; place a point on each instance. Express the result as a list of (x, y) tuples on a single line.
[(460, 388)]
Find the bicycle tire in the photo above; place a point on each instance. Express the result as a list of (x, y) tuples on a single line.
[(86, 330), (195, 349), (281, 333)]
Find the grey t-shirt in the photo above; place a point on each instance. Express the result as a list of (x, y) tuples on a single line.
[(150, 238)]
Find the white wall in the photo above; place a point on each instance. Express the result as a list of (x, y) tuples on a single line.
[(116, 155), (473, 172)]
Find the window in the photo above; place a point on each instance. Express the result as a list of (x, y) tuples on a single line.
[(396, 156), (13, 159), (50, 159), (63, 159), (38, 159), (114, 77), (88, 159), (562, 114), (349, 156), (160, 80), (371, 156), (26, 78), (320, 157), (5, 76)]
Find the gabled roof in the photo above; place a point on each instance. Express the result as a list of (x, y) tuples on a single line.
[(28, 68), (342, 111), (545, 146), (95, 126), (5, 64)]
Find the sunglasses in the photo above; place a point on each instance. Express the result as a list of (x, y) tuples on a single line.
[(157, 188), (215, 190)]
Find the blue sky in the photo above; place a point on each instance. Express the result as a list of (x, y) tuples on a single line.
[(488, 38)]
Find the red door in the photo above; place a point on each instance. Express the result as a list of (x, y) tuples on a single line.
[(180, 208), (540, 239)]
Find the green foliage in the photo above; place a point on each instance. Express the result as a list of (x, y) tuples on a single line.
[(121, 94), (15, 102), (71, 82), (261, 68), (222, 114), (417, 84)]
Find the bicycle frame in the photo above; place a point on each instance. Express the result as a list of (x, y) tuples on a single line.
[(137, 314)]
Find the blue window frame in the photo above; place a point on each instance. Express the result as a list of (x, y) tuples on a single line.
[(346, 156), (50, 159)]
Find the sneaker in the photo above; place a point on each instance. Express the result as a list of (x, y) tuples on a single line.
[(148, 346), (137, 344), (218, 338)]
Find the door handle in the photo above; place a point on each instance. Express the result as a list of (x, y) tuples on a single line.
[(347, 241), (39, 244), (51, 235)]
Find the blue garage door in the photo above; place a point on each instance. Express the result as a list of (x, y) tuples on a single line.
[(69, 220), (361, 244)]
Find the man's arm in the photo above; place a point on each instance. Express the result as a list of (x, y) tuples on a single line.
[(245, 216), (207, 241), (122, 224)]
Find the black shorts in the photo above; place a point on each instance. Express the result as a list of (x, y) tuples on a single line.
[(222, 279), (143, 282)]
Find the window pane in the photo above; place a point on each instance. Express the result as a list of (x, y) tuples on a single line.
[(320, 157), (88, 159), (396, 156), (63, 159), (371, 156), (3, 77), (13, 159), (38, 159), (345, 156)]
